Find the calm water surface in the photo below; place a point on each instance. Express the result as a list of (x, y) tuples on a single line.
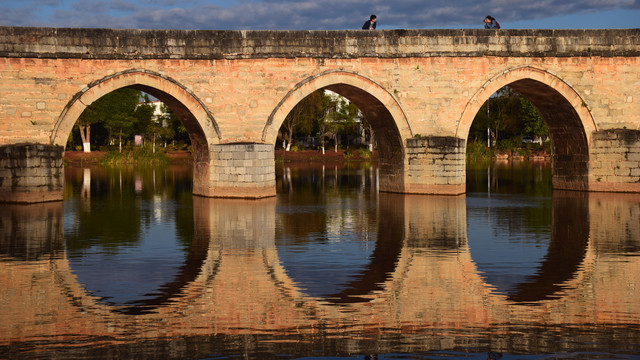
[(131, 265)]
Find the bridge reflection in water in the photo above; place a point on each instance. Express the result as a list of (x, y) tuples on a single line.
[(239, 291)]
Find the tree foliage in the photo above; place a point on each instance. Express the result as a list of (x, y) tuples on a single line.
[(508, 116), (321, 115), (123, 113), (303, 118)]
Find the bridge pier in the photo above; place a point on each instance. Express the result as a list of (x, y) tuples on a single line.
[(31, 173), (614, 164), (435, 165), (238, 170)]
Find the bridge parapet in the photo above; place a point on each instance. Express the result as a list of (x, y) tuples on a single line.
[(25, 42)]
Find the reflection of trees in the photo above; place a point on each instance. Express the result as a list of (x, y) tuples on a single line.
[(184, 220), (382, 262), (112, 221), (314, 189), (523, 219), (116, 215), (511, 177), (327, 204)]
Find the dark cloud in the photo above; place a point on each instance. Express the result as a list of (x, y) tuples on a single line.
[(293, 14)]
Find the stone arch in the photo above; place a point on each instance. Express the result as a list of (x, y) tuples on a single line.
[(195, 116), (566, 114), (370, 97), (378, 106)]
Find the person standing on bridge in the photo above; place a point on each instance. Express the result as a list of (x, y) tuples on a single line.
[(370, 24), (491, 23)]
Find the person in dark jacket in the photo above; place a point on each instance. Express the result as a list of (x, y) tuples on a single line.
[(370, 24), (491, 23)]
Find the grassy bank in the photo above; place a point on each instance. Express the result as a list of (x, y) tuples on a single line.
[(479, 153), (136, 155)]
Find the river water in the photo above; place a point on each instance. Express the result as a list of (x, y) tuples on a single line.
[(131, 265)]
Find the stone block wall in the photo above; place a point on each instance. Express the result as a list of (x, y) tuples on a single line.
[(241, 170), (614, 163), (435, 165), (31, 173)]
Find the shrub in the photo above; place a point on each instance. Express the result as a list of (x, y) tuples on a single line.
[(348, 154), (478, 152), (135, 155), (365, 154)]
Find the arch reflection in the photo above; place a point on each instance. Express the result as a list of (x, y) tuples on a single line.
[(125, 244), (336, 238), (566, 246)]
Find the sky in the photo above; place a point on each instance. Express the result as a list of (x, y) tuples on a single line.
[(320, 14)]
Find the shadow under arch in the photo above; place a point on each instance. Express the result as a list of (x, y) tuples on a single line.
[(196, 118), (378, 106), (564, 111)]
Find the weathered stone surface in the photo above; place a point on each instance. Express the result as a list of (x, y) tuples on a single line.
[(223, 44), (436, 165), (614, 163), (239, 171), (32, 173)]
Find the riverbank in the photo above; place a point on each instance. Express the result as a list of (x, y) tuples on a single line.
[(182, 157), (302, 156), (96, 157), (330, 156)]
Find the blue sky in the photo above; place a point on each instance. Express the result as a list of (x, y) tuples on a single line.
[(320, 14)]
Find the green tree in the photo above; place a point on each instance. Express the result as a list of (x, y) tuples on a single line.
[(302, 118), (144, 116), (115, 111), (507, 115), (347, 113), (173, 130), (339, 115), (368, 129), (532, 121), (84, 125)]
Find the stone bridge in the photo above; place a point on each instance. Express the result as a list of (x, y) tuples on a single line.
[(421, 90)]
